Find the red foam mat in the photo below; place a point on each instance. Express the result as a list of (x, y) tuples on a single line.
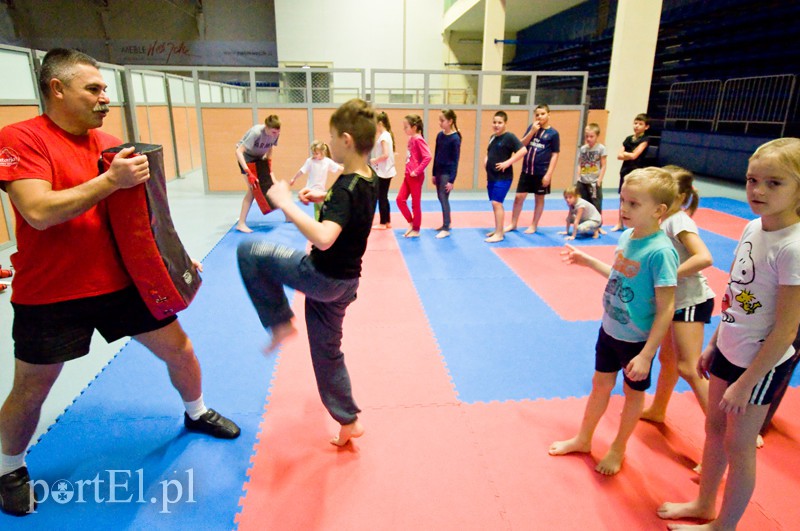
[(472, 220), (720, 222), (428, 461), (575, 292)]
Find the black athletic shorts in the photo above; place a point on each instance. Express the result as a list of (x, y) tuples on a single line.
[(62, 331), (764, 390), (532, 184), (613, 355)]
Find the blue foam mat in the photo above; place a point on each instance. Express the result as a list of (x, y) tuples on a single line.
[(499, 339), (129, 419)]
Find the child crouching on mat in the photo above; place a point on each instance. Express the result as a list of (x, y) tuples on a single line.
[(583, 217), (751, 350), (329, 274), (638, 304)]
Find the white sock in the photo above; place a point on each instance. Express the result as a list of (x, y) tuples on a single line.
[(196, 408), (9, 463)]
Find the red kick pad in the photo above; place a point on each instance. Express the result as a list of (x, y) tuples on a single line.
[(262, 169), (150, 248), (575, 292)]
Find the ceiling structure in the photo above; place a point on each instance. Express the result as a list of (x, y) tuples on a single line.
[(519, 14)]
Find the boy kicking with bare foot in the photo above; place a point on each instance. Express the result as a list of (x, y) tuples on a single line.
[(638, 306), (329, 274)]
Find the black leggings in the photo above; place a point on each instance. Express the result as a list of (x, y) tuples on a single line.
[(444, 199), (383, 199)]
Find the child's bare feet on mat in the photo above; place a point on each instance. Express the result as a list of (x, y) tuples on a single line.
[(569, 446), (243, 228), (280, 332), (692, 509), (611, 463), (508, 228), (530, 230), (494, 238), (651, 415), (353, 430)]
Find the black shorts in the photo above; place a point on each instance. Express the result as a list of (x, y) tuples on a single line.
[(764, 390), (613, 355), (532, 184), (62, 331), (699, 313)]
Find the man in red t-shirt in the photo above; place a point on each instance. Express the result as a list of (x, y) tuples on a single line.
[(48, 166)]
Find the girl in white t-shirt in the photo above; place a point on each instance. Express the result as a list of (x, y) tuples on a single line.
[(318, 167), (750, 353), (382, 161), (694, 301)]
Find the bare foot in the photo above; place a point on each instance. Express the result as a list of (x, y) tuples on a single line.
[(531, 230), (603, 231), (652, 415), (346, 432), (412, 234), (490, 234), (241, 227), (692, 509), (596, 235), (570, 446), (494, 239), (611, 463), (617, 228), (443, 234), (280, 332), (759, 441), (508, 228), (379, 226), (409, 231)]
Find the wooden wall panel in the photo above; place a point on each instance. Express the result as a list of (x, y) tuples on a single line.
[(5, 230), (143, 124), (161, 133), (183, 145), (222, 129), (114, 124), (194, 137), (11, 114), (322, 131), (567, 123), (292, 149)]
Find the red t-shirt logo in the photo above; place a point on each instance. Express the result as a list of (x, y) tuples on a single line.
[(8, 158)]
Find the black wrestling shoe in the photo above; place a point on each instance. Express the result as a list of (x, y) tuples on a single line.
[(15, 493), (212, 423)]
